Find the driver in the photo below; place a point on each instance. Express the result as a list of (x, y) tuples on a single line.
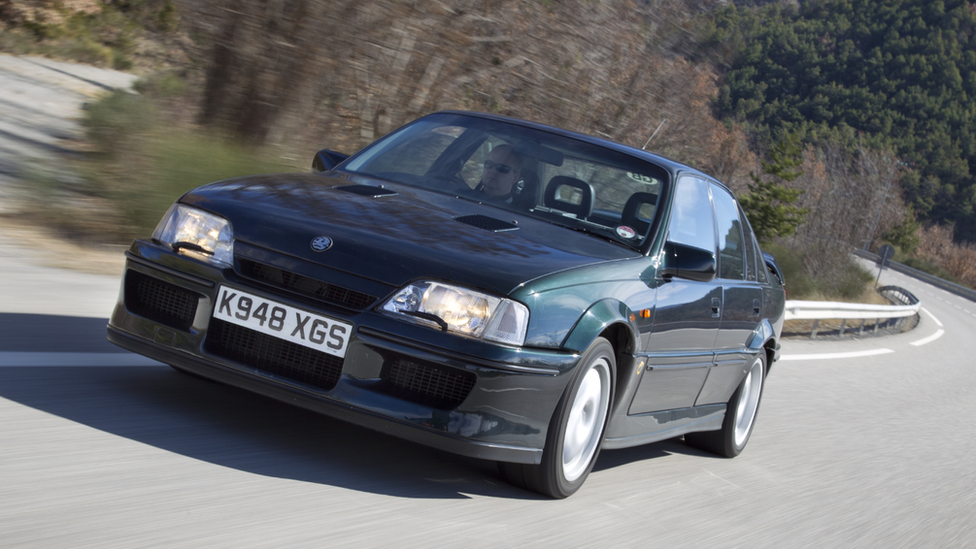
[(502, 170)]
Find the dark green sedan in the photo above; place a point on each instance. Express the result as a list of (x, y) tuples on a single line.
[(483, 285)]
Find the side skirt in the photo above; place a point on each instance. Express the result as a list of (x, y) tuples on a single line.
[(628, 431)]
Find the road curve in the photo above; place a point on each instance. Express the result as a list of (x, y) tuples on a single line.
[(40, 105), (100, 448)]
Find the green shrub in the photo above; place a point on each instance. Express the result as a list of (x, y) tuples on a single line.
[(183, 160), (112, 122), (162, 85), (929, 267), (107, 38), (842, 280), (137, 167)]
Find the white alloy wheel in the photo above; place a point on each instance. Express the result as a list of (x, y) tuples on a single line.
[(587, 416), (575, 430), (745, 411), (740, 415)]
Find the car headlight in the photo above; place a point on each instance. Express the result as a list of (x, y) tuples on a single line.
[(462, 311), (197, 233)]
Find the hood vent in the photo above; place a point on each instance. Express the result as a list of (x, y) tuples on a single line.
[(366, 190), (486, 223)]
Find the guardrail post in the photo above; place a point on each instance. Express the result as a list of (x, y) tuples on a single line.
[(813, 334), (860, 331)]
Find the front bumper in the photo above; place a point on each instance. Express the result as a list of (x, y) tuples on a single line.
[(452, 393)]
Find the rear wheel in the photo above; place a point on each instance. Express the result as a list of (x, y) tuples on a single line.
[(740, 415), (575, 431)]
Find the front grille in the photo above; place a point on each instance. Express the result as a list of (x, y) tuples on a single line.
[(427, 384), (273, 355), (304, 285), (160, 301)]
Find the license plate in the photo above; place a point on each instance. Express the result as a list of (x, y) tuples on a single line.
[(282, 321)]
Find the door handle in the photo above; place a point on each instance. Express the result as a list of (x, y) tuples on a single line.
[(716, 306), (756, 308)]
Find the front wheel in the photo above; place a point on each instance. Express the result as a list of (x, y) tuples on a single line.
[(575, 431), (740, 415)]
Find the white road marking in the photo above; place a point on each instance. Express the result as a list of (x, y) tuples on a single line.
[(830, 356), (11, 359), (934, 336), (932, 316), (929, 339)]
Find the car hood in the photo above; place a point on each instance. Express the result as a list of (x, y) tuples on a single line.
[(394, 233)]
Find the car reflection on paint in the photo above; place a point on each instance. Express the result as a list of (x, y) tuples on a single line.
[(610, 298)]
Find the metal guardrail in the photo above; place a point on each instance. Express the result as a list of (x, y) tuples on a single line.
[(832, 310), (950, 287)]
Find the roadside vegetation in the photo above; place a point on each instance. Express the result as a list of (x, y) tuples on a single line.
[(139, 160), (741, 91)]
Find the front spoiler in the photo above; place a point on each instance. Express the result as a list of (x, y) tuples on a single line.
[(343, 411)]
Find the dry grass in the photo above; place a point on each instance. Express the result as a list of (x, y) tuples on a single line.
[(958, 259)]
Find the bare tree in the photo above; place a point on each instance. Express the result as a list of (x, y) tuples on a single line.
[(268, 56)]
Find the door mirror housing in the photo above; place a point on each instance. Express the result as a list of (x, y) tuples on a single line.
[(687, 262), (325, 160)]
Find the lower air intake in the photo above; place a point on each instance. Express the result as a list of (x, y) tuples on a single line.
[(275, 356), (427, 384), (160, 301)]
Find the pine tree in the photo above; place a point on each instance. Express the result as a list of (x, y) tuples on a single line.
[(769, 205)]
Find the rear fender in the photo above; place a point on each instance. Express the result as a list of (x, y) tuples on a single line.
[(763, 339), (764, 332)]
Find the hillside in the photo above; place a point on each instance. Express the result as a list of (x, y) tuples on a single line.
[(672, 75), (898, 74)]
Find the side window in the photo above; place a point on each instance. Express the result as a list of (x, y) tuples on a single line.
[(691, 218), (731, 251), (761, 263), (752, 251)]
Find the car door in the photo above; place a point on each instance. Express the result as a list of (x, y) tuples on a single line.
[(688, 313), (742, 297)]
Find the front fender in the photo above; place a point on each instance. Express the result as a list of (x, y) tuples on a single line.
[(598, 318)]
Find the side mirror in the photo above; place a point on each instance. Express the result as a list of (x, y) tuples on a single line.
[(687, 262), (325, 160)]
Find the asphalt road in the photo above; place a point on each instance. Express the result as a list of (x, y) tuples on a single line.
[(100, 448)]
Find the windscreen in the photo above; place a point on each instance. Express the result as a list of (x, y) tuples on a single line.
[(574, 183)]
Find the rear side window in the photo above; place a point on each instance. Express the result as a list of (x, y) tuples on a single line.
[(754, 266), (691, 218), (731, 251)]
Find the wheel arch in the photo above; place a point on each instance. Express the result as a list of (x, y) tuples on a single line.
[(607, 316), (764, 340), (615, 322)]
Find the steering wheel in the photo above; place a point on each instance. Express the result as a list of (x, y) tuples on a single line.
[(449, 182)]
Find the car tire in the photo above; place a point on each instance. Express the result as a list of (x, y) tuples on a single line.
[(740, 415), (576, 429)]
